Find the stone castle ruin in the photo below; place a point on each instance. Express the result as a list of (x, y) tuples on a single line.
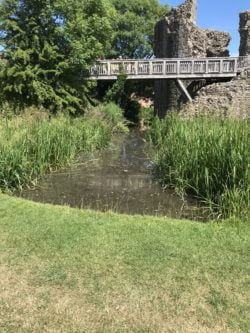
[(177, 36), (244, 31)]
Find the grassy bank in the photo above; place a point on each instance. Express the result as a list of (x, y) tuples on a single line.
[(208, 158), (67, 270), (33, 144)]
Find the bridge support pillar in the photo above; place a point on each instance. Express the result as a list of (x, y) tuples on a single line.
[(166, 97)]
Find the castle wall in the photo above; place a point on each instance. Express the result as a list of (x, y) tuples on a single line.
[(177, 36), (232, 98), (244, 31)]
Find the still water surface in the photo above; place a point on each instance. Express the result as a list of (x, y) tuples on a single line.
[(118, 178)]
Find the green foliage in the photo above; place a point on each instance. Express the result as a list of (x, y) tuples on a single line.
[(110, 113), (117, 92), (133, 36), (146, 114), (115, 115), (134, 27), (48, 46), (113, 112), (33, 144), (207, 157)]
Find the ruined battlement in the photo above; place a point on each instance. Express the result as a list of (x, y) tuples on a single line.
[(178, 36), (188, 11), (244, 31)]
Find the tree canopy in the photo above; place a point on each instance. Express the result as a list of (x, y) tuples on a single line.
[(49, 45), (134, 27)]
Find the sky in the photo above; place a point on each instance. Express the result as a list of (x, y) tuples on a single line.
[(219, 15)]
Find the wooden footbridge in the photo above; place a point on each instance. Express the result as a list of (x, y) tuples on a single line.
[(186, 68), (179, 69)]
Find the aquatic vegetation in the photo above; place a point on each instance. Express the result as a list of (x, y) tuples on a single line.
[(113, 112), (206, 157), (31, 146)]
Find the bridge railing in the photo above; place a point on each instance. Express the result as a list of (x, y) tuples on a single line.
[(165, 67)]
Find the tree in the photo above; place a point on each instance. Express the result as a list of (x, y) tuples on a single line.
[(49, 44), (133, 37), (134, 27)]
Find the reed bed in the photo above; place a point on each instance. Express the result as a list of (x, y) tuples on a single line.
[(29, 147), (206, 157)]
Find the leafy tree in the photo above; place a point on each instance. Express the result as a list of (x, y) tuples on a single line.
[(133, 37), (134, 27), (48, 45), (117, 92)]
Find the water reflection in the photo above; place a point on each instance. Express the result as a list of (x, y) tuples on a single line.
[(117, 178)]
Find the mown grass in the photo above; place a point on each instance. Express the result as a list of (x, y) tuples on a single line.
[(208, 158), (68, 270), (31, 145)]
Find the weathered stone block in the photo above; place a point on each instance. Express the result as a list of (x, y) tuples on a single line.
[(231, 99)]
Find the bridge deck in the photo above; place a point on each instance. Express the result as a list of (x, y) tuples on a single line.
[(181, 68)]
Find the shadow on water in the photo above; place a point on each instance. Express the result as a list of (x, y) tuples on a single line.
[(118, 178)]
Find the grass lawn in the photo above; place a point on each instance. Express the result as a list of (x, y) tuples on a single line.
[(68, 270)]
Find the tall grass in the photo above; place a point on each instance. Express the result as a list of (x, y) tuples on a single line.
[(206, 157), (30, 147)]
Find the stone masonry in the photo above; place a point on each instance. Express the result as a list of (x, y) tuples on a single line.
[(177, 36), (244, 31), (229, 98)]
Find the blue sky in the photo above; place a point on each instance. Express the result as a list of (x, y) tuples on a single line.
[(219, 15)]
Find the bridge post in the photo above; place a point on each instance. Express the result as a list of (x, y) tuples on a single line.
[(206, 69), (136, 68), (221, 66), (109, 68), (235, 65), (178, 67), (164, 67), (150, 69)]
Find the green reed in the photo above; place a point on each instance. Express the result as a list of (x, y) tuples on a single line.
[(205, 157), (30, 147)]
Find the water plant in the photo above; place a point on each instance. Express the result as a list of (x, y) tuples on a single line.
[(31, 146), (206, 157)]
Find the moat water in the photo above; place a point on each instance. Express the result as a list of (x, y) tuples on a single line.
[(118, 178)]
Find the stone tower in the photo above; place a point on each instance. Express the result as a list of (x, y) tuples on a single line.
[(244, 33), (189, 9), (177, 36)]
